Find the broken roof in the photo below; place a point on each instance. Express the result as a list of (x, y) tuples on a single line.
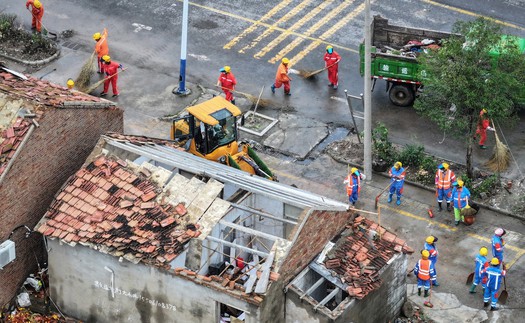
[(115, 207), (23, 102)]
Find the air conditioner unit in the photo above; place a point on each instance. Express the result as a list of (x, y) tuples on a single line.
[(7, 253)]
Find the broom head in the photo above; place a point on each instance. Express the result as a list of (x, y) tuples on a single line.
[(84, 76), (500, 159)]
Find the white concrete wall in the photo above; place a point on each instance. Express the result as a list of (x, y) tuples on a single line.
[(81, 286)]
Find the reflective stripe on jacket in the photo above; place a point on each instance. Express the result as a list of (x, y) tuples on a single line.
[(444, 179), (424, 269), (227, 81), (461, 197), (352, 181), (432, 250), (494, 275)]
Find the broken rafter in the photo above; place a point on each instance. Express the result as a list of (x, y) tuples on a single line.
[(234, 245), (249, 230)]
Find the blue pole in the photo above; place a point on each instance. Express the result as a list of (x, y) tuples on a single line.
[(184, 40)]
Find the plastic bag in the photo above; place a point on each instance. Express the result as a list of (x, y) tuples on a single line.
[(23, 300), (35, 283)]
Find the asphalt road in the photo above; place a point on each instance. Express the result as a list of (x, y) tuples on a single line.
[(250, 36)]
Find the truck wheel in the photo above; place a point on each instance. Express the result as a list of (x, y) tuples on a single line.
[(401, 95)]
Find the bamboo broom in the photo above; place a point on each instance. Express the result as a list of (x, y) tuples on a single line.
[(99, 83), (500, 159), (84, 76)]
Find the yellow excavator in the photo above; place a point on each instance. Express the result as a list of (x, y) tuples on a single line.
[(209, 130)]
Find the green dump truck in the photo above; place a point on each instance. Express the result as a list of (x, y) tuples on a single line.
[(394, 57)]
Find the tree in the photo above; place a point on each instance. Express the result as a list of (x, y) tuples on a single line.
[(469, 73)]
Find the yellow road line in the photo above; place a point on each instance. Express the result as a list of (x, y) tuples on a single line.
[(470, 13), (294, 27), (417, 217), (323, 21), (518, 256), (259, 23), (328, 33), (254, 26), (283, 19)]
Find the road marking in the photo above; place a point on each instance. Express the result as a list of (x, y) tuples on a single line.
[(259, 23), (294, 27), (470, 13), (417, 217), (323, 21), (283, 19), (328, 33), (139, 27), (256, 24), (513, 261)]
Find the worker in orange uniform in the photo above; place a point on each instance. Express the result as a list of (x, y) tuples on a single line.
[(101, 48), (282, 77), (37, 10), (227, 82), (444, 179), (332, 59), (353, 184), (111, 70), (424, 271), (483, 126)]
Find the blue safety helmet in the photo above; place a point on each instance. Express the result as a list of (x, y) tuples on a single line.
[(455, 184), (441, 166)]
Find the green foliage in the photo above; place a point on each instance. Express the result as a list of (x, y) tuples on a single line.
[(412, 155), (464, 74), (6, 24), (487, 185), (381, 146)]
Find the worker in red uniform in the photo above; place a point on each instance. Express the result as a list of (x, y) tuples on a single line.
[(282, 77), (332, 59), (227, 82), (483, 126), (37, 10), (111, 70), (101, 48)]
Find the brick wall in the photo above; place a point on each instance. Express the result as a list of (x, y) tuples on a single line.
[(320, 227), (54, 151)]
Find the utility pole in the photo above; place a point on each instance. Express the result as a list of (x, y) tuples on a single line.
[(368, 96), (182, 90)]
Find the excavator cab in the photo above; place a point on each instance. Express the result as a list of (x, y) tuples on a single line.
[(209, 130)]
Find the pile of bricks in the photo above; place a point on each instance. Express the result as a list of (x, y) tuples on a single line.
[(359, 255)]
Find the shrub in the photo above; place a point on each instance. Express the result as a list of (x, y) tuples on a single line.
[(412, 155), (6, 24), (382, 147)]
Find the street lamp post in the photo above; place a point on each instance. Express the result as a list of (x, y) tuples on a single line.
[(368, 97), (182, 90)]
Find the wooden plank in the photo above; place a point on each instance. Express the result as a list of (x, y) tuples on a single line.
[(262, 284), (175, 185), (248, 286), (206, 194)]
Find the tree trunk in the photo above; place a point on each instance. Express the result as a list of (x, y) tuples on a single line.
[(470, 172)]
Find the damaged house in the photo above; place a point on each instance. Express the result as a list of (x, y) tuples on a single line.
[(146, 232), (46, 132)]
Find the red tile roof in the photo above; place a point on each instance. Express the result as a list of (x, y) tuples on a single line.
[(107, 204), (41, 95), (142, 140), (357, 258)]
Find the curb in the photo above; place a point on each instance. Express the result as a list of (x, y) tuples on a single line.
[(488, 207), (35, 63)]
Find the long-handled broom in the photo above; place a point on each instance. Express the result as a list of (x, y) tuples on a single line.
[(500, 159), (308, 74), (252, 98), (429, 303), (99, 83), (84, 76)]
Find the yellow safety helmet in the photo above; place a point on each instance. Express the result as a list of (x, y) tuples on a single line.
[(430, 239), (445, 166), (227, 69), (482, 112), (285, 61), (398, 165), (483, 251), (70, 83), (37, 4), (97, 36), (494, 261), (460, 183), (353, 170), (329, 47), (106, 58), (425, 254)]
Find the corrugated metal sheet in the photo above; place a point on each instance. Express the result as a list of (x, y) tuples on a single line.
[(225, 174)]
